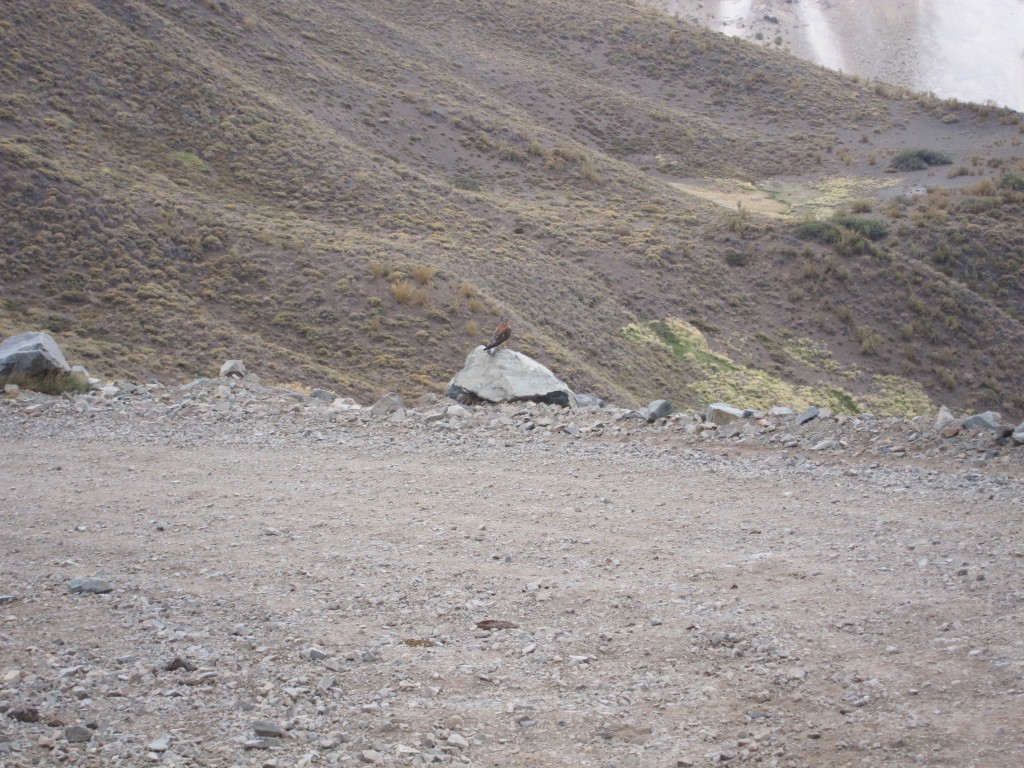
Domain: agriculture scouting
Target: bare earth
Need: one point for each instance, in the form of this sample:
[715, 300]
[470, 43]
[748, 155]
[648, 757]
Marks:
[669, 599]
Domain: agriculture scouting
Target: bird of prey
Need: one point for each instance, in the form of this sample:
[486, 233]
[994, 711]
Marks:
[500, 335]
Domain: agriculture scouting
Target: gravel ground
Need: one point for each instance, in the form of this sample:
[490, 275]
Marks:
[230, 575]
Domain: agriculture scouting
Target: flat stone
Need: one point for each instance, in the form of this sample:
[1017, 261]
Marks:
[90, 585]
[808, 415]
[722, 414]
[267, 730]
[986, 420]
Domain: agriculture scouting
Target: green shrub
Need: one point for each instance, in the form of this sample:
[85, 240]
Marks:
[737, 258]
[466, 183]
[821, 231]
[1011, 180]
[918, 159]
[872, 229]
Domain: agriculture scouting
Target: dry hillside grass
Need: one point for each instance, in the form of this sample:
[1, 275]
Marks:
[347, 194]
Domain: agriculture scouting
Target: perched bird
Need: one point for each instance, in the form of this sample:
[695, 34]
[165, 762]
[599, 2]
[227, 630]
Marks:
[500, 335]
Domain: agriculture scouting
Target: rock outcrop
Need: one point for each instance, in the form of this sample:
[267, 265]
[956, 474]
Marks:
[508, 376]
[34, 355]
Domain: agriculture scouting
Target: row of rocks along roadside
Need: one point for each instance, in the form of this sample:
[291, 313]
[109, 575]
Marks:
[978, 439]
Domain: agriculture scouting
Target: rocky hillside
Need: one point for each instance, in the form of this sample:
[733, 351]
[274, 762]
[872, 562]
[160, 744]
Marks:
[347, 195]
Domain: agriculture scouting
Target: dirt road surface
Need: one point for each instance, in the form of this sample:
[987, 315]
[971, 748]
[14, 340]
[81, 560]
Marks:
[288, 589]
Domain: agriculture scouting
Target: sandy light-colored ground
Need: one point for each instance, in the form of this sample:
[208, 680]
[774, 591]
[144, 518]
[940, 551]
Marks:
[660, 600]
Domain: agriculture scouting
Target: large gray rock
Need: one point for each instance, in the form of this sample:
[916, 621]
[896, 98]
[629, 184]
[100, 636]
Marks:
[658, 409]
[32, 354]
[508, 376]
[1018, 434]
[723, 413]
[988, 420]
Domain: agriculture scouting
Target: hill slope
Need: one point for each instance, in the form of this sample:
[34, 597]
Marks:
[347, 195]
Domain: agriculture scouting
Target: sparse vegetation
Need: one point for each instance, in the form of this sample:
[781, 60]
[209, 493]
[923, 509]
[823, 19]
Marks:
[918, 159]
[423, 273]
[352, 235]
[49, 384]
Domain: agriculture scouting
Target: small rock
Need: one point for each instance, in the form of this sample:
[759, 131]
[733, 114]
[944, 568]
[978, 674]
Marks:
[371, 756]
[389, 405]
[458, 740]
[233, 368]
[90, 585]
[1018, 434]
[161, 743]
[315, 654]
[456, 411]
[77, 734]
[24, 714]
[809, 415]
[343, 404]
[944, 418]
[267, 730]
